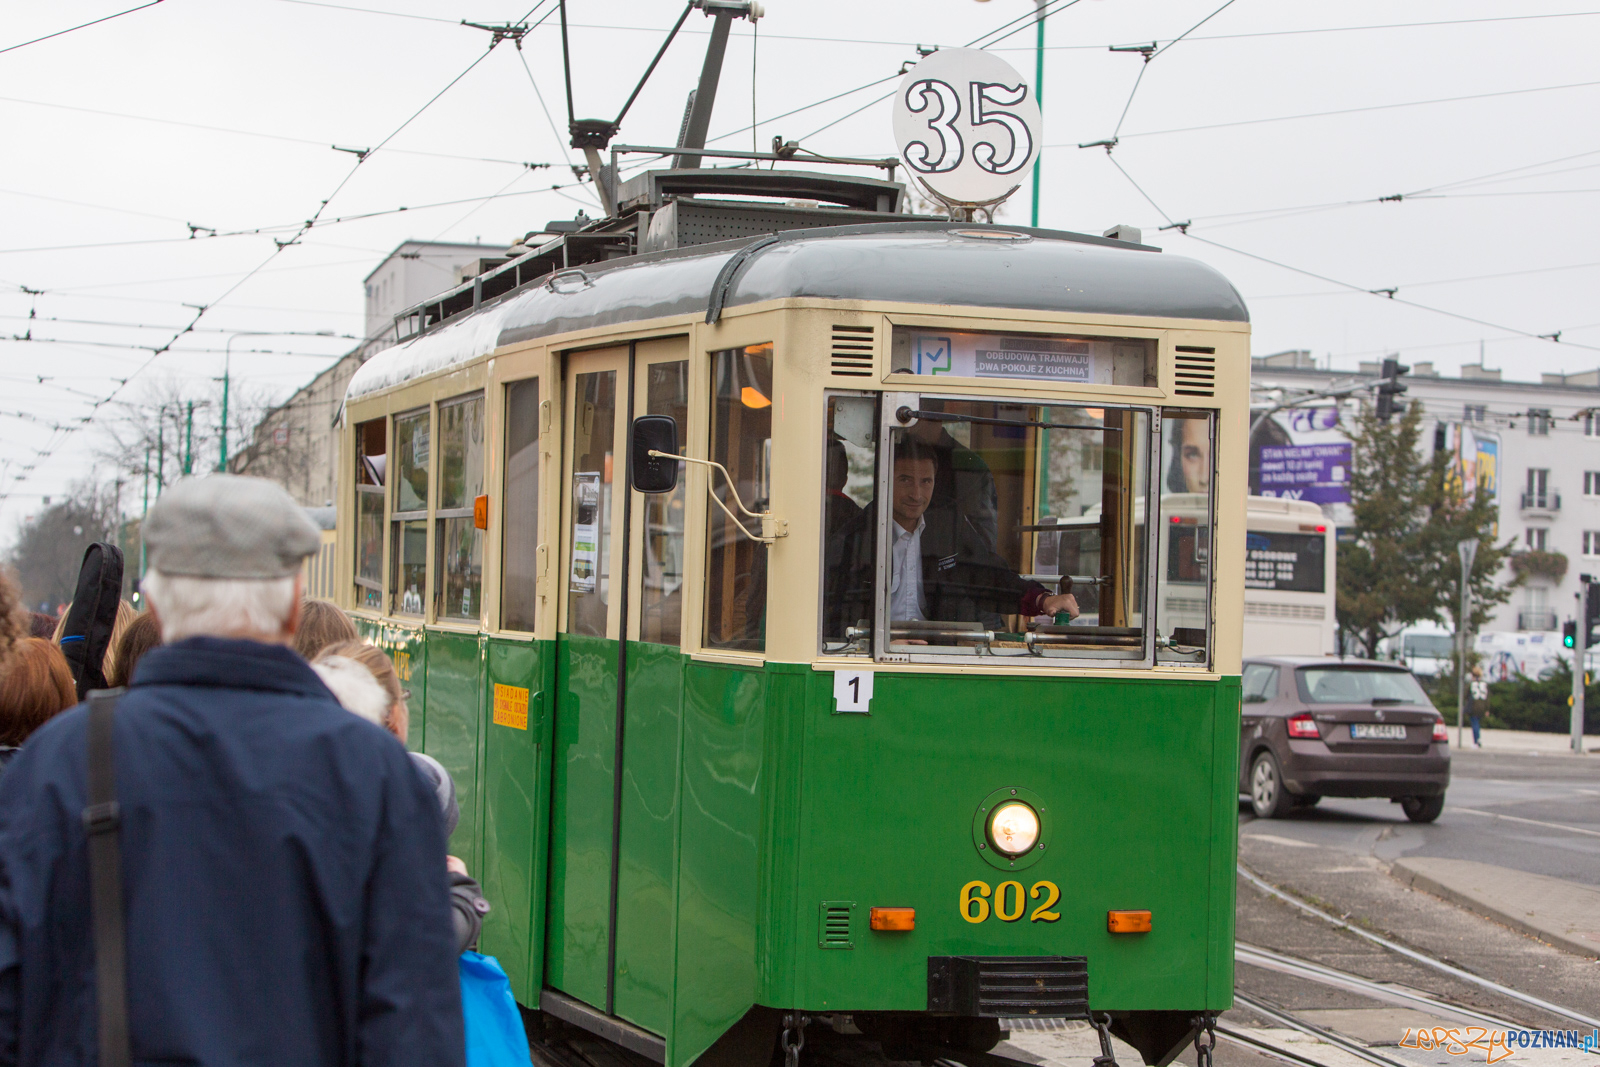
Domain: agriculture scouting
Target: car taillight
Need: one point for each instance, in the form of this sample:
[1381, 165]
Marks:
[1302, 725]
[1439, 731]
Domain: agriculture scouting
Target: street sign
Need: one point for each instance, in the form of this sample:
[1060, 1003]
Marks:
[967, 124]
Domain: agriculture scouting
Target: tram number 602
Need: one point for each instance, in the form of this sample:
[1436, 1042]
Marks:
[1009, 901]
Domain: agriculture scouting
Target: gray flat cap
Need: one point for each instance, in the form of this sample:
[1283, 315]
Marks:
[228, 526]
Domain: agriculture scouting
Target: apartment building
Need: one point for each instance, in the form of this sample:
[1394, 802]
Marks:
[1538, 441]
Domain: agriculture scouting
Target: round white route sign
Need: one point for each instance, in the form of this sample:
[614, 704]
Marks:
[967, 124]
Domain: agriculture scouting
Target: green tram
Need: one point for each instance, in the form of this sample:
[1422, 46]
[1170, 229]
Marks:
[723, 773]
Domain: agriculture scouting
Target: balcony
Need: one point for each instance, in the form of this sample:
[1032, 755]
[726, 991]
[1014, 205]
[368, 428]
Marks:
[1542, 621]
[1548, 503]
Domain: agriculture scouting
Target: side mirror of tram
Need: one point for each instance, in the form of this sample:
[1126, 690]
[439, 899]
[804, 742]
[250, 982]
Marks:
[655, 433]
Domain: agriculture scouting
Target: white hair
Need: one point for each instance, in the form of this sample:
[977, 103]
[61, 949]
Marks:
[218, 607]
[354, 687]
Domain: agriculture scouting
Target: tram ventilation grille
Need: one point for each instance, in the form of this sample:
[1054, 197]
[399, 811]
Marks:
[1318, 612]
[1009, 986]
[1195, 371]
[852, 352]
[834, 929]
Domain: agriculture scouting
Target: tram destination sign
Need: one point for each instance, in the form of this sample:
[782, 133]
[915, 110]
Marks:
[967, 125]
[1040, 357]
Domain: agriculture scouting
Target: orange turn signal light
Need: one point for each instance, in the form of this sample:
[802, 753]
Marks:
[894, 918]
[1128, 922]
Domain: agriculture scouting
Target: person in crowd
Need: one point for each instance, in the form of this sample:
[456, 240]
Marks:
[41, 625]
[137, 638]
[35, 686]
[280, 856]
[126, 613]
[1478, 704]
[942, 568]
[13, 618]
[363, 678]
[321, 624]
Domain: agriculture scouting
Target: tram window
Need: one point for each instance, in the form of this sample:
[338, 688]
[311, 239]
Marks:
[594, 425]
[409, 527]
[457, 541]
[1069, 358]
[850, 480]
[1015, 534]
[661, 606]
[372, 457]
[1183, 574]
[741, 440]
[519, 563]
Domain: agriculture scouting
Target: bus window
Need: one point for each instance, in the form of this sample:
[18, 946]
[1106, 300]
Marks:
[850, 478]
[519, 567]
[1183, 574]
[1014, 532]
[372, 457]
[409, 551]
[741, 440]
[661, 608]
[458, 542]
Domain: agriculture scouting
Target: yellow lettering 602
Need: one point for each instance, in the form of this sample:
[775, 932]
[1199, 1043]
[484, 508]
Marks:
[1009, 901]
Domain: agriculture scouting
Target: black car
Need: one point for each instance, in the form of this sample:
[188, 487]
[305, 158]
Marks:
[1319, 726]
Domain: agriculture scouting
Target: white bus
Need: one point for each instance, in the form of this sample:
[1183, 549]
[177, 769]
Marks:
[1288, 579]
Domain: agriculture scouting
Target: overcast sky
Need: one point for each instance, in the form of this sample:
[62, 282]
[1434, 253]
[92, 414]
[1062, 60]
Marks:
[118, 136]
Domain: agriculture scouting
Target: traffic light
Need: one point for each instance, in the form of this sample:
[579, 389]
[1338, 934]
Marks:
[1569, 634]
[1389, 387]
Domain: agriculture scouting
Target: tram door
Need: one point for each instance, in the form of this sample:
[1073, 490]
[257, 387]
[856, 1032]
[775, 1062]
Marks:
[613, 827]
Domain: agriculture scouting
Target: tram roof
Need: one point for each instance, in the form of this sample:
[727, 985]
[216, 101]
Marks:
[919, 262]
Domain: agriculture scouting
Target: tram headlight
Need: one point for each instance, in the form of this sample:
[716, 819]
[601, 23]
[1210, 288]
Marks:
[1014, 828]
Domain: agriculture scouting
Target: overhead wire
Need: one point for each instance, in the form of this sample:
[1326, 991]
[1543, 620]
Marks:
[1151, 56]
[80, 26]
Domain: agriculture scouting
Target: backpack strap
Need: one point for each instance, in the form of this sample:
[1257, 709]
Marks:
[103, 821]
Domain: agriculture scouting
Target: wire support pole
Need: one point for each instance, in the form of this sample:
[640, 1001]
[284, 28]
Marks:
[1038, 98]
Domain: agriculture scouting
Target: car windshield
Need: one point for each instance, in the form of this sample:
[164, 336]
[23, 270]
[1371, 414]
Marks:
[1358, 685]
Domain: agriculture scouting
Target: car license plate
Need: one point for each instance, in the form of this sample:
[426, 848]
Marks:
[1376, 731]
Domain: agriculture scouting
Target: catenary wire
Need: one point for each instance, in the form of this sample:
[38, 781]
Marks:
[1150, 57]
[80, 26]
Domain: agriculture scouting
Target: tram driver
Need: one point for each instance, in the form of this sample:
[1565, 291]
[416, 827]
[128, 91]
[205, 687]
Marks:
[942, 566]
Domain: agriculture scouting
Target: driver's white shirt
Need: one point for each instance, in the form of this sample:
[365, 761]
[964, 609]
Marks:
[905, 582]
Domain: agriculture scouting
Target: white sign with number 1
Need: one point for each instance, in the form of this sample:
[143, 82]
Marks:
[852, 692]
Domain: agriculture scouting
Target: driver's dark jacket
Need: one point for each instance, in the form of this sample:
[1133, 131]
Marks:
[963, 579]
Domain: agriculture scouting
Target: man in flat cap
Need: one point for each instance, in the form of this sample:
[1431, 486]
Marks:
[282, 863]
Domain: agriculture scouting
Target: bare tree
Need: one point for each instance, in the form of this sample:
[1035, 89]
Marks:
[50, 544]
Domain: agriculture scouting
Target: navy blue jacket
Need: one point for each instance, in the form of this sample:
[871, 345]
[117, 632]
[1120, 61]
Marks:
[283, 868]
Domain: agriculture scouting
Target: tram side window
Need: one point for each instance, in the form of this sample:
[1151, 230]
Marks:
[850, 480]
[661, 607]
[1183, 575]
[741, 440]
[372, 457]
[408, 580]
[594, 423]
[519, 564]
[458, 542]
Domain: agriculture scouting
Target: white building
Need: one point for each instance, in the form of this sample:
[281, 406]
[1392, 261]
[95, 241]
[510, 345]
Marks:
[412, 273]
[1543, 443]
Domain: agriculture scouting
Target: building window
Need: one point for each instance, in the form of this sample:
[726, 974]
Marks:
[1591, 483]
[1591, 542]
[1473, 413]
[1536, 538]
[1591, 424]
[1539, 422]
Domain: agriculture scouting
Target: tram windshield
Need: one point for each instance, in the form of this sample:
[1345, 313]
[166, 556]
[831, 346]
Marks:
[1006, 529]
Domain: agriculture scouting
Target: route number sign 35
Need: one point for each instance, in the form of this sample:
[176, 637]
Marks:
[967, 124]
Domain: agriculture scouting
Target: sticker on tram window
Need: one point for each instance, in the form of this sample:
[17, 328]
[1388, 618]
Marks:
[585, 530]
[1059, 358]
[511, 706]
[1008, 902]
[852, 692]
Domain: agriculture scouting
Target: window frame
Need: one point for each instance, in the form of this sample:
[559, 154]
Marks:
[1146, 659]
[500, 513]
[439, 515]
[857, 650]
[396, 519]
[381, 491]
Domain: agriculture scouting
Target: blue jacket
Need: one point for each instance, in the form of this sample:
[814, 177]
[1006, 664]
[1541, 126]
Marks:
[283, 868]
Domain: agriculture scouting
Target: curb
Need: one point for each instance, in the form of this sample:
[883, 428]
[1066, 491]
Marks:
[1408, 876]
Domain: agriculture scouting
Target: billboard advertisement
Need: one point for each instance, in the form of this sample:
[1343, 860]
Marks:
[1474, 461]
[1303, 454]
